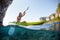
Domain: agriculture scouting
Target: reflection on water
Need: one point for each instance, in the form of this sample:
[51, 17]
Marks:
[49, 26]
[55, 26]
[38, 27]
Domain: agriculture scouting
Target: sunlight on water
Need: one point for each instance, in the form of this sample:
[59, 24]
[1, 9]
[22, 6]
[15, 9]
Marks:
[11, 31]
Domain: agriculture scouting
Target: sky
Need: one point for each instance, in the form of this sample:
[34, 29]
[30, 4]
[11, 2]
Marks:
[37, 9]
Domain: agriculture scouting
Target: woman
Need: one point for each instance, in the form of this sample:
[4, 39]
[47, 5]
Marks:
[21, 15]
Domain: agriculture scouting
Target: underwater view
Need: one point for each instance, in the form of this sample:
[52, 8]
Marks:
[14, 32]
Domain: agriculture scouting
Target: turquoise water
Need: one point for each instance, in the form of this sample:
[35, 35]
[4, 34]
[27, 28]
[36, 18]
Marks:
[14, 32]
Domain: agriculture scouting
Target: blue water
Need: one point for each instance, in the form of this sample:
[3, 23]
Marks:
[34, 32]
